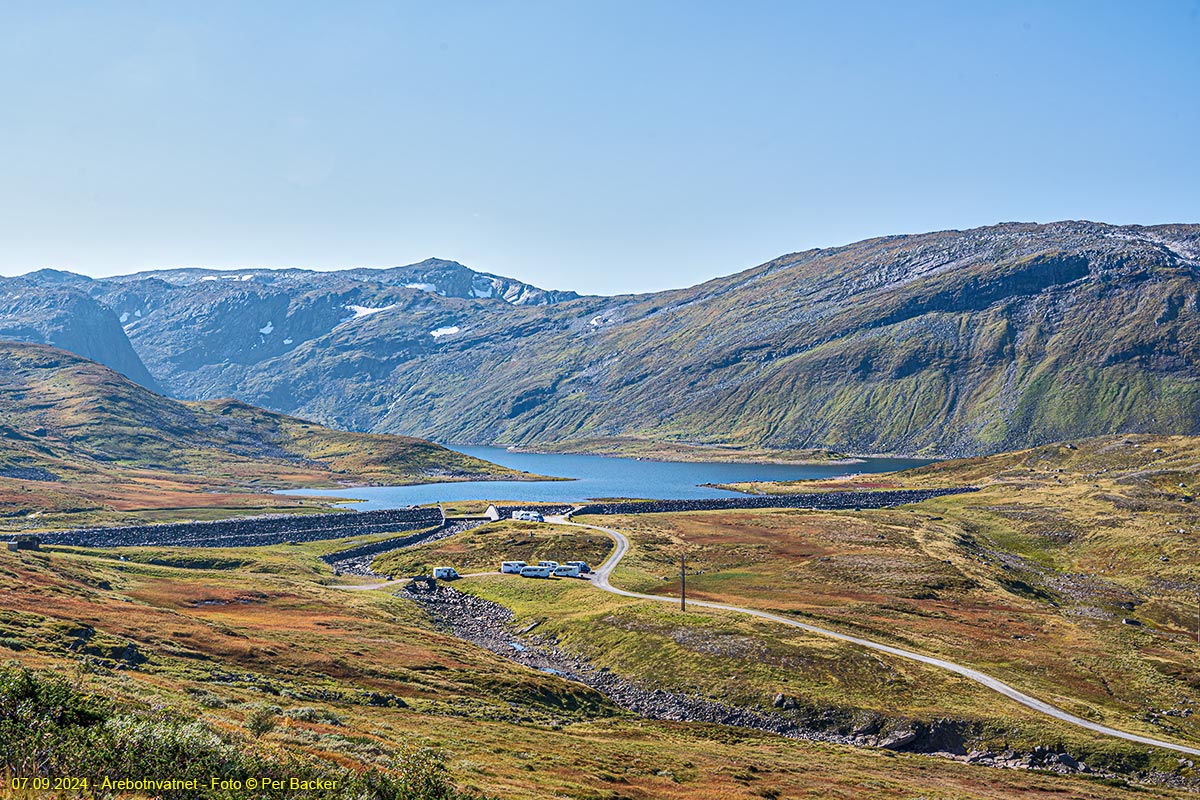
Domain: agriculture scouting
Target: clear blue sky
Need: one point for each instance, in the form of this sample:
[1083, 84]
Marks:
[603, 146]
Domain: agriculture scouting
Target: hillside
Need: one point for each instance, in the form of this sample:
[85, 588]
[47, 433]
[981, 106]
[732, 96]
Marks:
[943, 344]
[947, 343]
[240, 663]
[78, 438]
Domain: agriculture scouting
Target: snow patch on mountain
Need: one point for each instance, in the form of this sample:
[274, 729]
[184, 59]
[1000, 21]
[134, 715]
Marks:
[448, 330]
[482, 286]
[266, 330]
[366, 311]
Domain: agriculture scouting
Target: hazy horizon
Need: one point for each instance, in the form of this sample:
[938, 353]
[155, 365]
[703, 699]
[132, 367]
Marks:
[732, 271]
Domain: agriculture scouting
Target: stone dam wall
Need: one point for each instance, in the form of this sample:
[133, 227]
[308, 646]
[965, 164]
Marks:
[250, 531]
[817, 500]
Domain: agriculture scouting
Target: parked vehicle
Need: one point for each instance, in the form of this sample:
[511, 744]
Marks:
[566, 571]
[527, 516]
[550, 564]
[446, 573]
[535, 572]
[583, 566]
[512, 567]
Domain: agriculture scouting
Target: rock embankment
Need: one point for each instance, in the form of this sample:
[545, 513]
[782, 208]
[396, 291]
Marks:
[250, 531]
[357, 560]
[485, 623]
[488, 624]
[822, 500]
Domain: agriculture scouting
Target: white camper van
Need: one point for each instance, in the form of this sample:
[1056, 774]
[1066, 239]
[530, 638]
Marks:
[446, 573]
[566, 571]
[584, 569]
[512, 567]
[527, 516]
[550, 564]
[535, 572]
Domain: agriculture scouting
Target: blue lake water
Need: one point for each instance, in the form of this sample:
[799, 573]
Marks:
[599, 476]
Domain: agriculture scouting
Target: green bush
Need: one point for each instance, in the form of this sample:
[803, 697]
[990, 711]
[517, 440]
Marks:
[262, 720]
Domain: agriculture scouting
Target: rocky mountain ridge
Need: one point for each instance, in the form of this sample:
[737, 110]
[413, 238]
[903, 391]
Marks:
[945, 343]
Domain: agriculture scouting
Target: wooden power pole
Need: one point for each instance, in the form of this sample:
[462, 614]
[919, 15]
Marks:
[682, 582]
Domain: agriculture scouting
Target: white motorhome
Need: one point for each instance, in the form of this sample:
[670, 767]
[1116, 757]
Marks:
[527, 516]
[566, 571]
[535, 572]
[512, 567]
[446, 573]
[550, 564]
[583, 566]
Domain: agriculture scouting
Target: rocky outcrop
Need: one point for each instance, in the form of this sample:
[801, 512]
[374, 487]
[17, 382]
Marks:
[45, 309]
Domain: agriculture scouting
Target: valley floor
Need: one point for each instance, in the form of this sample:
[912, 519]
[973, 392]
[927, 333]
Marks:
[1035, 579]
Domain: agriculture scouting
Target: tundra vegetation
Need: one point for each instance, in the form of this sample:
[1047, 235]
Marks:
[1071, 575]
[256, 651]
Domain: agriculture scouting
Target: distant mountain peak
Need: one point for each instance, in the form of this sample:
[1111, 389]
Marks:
[58, 277]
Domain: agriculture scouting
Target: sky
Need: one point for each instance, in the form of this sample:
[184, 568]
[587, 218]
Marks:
[604, 146]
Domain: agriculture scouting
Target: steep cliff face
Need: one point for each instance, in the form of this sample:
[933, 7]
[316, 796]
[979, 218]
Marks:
[953, 342]
[54, 308]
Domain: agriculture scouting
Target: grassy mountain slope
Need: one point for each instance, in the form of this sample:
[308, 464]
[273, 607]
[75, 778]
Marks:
[77, 437]
[943, 343]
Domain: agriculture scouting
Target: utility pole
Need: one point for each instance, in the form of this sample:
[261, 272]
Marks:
[683, 585]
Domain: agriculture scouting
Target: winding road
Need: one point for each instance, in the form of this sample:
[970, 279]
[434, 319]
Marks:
[600, 578]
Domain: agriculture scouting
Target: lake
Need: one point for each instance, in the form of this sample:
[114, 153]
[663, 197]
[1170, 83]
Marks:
[599, 476]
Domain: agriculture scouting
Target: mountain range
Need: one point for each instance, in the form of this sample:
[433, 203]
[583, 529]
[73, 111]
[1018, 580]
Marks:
[945, 343]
